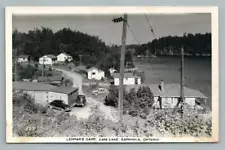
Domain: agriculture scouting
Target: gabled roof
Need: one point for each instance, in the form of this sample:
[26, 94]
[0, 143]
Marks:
[65, 90]
[32, 86]
[65, 54]
[23, 56]
[94, 68]
[170, 90]
[49, 79]
[126, 75]
[37, 86]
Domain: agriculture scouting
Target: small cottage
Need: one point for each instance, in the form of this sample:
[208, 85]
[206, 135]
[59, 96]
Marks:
[129, 79]
[48, 59]
[44, 93]
[167, 95]
[23, 58]
[63, 57]
[38, 91]
[95, 73]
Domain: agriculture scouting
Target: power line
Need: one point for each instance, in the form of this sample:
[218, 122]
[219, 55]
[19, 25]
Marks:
[132, 33]
[151, 29]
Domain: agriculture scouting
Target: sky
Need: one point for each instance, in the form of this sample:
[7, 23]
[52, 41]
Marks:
[111, 33]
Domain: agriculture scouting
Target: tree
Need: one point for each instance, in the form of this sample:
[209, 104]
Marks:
[145, 97]
[170, 45]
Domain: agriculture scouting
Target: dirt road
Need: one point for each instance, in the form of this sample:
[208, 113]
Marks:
[85, 112]
[75, 77]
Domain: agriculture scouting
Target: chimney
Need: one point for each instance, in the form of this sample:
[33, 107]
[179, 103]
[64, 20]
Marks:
[162, 86]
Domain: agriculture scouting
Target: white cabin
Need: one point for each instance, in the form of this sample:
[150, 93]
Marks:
[47, 60]
[95, 73]
[167, 95]
[129, 79]
[63, 57]
[23, 58]
[44, 93]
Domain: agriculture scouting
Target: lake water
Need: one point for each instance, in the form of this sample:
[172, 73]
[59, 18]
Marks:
[197, 72]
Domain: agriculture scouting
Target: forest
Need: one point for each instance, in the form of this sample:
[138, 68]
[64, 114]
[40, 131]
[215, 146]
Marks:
[94, 51]
[39, 42]
[193, 44]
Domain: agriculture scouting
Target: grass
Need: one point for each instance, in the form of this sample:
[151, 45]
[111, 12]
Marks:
[31, 120]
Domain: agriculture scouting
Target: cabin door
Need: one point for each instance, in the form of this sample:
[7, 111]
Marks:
[136, 80]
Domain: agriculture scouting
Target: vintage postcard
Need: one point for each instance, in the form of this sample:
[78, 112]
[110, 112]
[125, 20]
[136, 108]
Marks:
[112, 74]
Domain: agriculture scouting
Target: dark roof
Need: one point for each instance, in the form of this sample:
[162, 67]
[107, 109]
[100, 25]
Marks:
[23, 56]
[32, 86]
[126, 75]
[94, 68]
[170, 90]
[51, 56]
[49, 79]
[65, 90]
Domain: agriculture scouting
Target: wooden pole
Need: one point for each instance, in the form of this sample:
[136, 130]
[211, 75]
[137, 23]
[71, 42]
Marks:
[122, 58]
[43, 60]
[182, 81]
[181, 98]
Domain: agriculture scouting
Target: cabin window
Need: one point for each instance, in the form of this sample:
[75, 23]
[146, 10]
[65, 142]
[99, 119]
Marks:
[93, 73]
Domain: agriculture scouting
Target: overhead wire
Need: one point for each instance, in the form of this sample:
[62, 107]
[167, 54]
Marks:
[132, 33]
[151, 29]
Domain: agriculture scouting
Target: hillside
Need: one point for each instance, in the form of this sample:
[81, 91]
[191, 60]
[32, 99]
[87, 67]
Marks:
[194, 44]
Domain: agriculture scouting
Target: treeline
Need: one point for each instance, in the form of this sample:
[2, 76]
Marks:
[194, 45]
[90, 49]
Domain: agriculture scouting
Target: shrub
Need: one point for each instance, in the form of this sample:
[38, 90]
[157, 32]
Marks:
[156, 123]
[67, 82]
[112, 98]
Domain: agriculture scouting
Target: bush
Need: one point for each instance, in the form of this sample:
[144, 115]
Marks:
[67, 82]
[25, 101]
[135, 103]
[156, 123]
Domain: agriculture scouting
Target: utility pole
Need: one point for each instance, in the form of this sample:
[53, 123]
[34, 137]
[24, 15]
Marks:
[43, 60]
[122, 59]
[181, 98]
[80, 57]
[182, 80]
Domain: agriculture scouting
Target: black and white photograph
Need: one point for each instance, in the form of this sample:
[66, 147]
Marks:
[112, 75]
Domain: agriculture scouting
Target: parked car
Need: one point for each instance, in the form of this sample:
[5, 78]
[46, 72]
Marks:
[80, 101]
[100, 91]
[59, 105]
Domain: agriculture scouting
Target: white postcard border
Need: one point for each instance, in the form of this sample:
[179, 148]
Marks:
[64, 10]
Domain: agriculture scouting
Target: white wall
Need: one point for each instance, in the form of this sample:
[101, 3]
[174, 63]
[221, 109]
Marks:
[22, 59]
[61, 57]
[45, 97]
[98, 75]
[58, 96]
[139, 80]
[190, 101]
[171, 102]
[40, 97]
[47, 60]
[126, 81]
